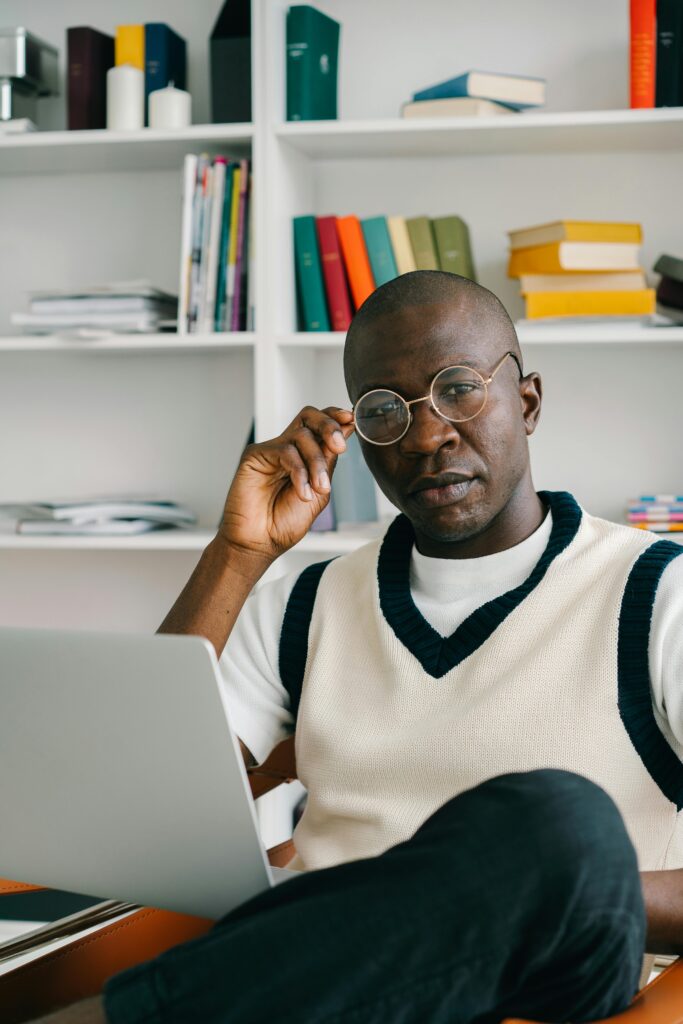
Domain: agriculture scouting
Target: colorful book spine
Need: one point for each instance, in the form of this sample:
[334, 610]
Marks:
[240, 257]
[90, 54]
[655, 517]
[661, 499]
[590, 303]
[659, 527]
[165, 59]
[453, 246]
[312, 58]
[197, 229]
[334, 275]
[223, 251]
[380, 252]
[218, 190]
[207, 205]
[422, 241]
[189, 181]
[129, 46]
[642, 53]
[400, 243]
[309, 277]
[232, 247]
[356, 259]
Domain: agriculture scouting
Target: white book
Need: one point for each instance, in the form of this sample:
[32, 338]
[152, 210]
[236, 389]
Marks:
[189, 180]
[103, 528]
[122, 304]
[465, 106]
[138, 287]
[38, 323]
[621, 282]
[207, 200]
[88, 511]
[208, 323]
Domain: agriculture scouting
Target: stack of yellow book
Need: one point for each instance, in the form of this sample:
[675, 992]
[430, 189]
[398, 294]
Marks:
[574, 268]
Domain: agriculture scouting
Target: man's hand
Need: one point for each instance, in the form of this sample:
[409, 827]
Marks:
[282, 485]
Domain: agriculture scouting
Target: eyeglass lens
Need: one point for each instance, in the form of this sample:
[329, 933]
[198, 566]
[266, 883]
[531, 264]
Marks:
[458, 393]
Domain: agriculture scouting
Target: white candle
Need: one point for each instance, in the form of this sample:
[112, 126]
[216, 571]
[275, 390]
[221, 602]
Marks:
[125, 98]
[170, 108]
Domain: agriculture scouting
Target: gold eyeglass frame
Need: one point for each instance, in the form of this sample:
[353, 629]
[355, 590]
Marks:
[430, 397]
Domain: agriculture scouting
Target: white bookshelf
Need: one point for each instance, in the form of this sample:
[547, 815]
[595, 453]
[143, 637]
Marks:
[171, 414]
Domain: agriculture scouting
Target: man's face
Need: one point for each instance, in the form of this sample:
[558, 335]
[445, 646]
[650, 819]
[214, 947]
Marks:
[476, 465]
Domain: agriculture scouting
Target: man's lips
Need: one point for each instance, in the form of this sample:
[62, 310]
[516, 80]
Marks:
[442, 489]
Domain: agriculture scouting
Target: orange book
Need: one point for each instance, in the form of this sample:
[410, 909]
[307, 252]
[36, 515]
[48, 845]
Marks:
[642, 56]
[356, 259]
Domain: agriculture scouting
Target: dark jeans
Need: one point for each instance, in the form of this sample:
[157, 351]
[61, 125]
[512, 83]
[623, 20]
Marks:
[520, 897]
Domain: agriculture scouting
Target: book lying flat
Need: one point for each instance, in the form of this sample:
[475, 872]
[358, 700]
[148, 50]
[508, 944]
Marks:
[458, 106]
[541, 304]
[101, 528]
[515, 90]
[91, 510]
[625, 281]
[576, 231]
[558, 257]
[145, 322]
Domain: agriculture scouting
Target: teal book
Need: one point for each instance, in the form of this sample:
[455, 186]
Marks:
[353, 487]
[453, 246]
[378, 244]
[309, 276]
[224, 243]
[312, 62]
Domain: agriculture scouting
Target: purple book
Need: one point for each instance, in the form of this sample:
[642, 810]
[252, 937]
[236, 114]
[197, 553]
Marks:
[241, 255]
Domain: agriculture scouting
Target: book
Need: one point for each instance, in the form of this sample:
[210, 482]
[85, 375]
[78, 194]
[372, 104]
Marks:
[309, 277]
[224, 248]
[237, 304]
[334, 274]
[669, 54]
[165, 59]
[90, 510]
[654, 516]
[643, 37]
[658, 499]
[518, 91]
[129, 45]
[89, 55]
[626, 281]
[380, 252]
[670, 266]
[146, 322]
[356, 260]
[208, 179]
[400, 243]
[670, 292]
[453, 246]
[103, 528]
[198, 205]
[208, 306]
[570, 256]
[462, 106]
[422, 242]
[312, 58]
[659, 527]
[189, 179]
[230, 63]
[541, 304]
[575, 231]
[353, 487]
[231, 265]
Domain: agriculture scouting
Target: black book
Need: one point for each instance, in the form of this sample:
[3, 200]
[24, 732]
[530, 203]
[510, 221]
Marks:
[670, 266]
[670, 293]
[669, 82]
[230, 63]
[90, 54]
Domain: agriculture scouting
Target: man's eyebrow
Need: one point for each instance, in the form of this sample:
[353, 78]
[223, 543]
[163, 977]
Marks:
[383, 385]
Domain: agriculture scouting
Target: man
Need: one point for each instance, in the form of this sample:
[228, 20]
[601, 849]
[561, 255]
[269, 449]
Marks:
[455, 686]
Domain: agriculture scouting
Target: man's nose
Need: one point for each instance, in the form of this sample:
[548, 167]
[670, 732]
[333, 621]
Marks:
[428, 430]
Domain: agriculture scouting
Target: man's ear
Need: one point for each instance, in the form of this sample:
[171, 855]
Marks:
[531, 395]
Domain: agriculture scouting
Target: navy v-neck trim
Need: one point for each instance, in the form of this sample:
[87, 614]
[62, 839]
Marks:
[438, 654]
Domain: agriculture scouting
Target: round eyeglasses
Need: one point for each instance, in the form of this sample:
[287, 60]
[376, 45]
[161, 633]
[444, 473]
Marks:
[457, 394]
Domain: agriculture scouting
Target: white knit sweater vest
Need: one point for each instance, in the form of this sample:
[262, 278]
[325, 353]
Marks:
[394, 720]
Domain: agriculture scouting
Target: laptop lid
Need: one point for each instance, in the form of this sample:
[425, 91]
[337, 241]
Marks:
[120, 774]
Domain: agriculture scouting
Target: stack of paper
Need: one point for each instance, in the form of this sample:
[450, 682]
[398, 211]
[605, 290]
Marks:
[122, 307]
[104, 516]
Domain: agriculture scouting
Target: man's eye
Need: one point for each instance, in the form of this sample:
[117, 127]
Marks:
[462, 388]
[380, 410]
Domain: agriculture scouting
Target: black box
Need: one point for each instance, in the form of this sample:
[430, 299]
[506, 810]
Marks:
[230, 59]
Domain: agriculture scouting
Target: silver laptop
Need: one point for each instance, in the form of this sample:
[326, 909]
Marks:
[120, 775]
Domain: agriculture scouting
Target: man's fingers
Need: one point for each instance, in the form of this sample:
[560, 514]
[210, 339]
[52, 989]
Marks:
[293, 464]
[330, 425]
[318, 465]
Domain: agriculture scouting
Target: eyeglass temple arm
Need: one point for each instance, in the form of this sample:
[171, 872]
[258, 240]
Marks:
[500, 362]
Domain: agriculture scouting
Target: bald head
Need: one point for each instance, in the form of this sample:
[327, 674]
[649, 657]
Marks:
[469, 311]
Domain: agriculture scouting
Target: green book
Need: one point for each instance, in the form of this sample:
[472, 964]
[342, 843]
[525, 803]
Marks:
[422, 240]
[309, 276]
[380, 252]
[312, 61]
[453, 246]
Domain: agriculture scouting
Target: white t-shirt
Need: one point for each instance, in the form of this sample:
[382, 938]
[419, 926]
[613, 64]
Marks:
[446, 591]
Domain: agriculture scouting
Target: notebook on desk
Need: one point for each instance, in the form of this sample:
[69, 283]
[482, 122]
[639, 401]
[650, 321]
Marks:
[127, 779]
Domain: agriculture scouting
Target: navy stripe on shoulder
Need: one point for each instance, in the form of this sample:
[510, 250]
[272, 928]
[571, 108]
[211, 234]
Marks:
[295, 628]
[635, 699]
